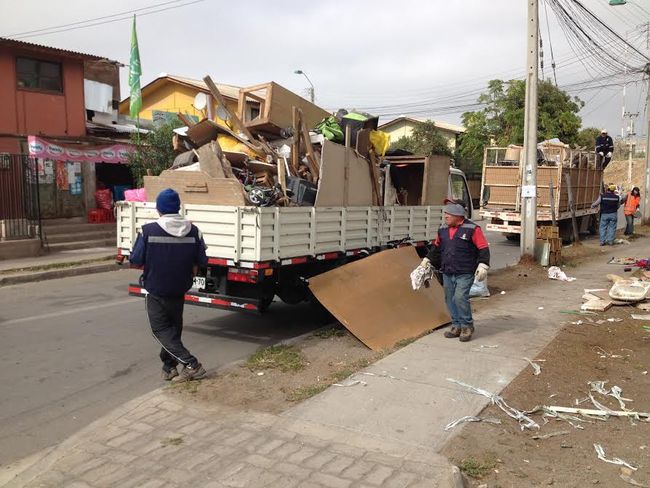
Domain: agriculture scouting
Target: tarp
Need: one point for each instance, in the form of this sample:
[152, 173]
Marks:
[42, 148]
[374, 300]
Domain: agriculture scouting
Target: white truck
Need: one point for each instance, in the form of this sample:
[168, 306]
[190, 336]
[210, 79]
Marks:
[257, 253]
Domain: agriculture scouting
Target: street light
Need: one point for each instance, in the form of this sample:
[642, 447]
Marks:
[312, 95]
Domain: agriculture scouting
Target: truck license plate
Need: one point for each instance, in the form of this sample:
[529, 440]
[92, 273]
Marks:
[199, 283]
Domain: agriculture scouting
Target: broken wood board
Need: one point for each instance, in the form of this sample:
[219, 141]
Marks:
[331, 186]
[596, 305]
[374, 300]
[209, 161]
[197, 187]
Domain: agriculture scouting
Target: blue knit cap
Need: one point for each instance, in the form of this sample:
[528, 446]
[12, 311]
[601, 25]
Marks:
[168, 202]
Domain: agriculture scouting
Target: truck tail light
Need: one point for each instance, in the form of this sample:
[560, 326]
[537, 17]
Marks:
[243, 275]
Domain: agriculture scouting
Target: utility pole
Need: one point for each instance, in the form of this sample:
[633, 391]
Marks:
[631, 143]
[646, 197]
[529, 170]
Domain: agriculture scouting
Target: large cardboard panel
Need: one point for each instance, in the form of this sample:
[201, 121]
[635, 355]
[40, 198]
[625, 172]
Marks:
[374, 300]
[436, 180]
[197, 187]
[332, 178]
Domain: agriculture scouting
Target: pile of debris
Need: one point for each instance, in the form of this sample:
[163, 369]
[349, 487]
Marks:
[634, 291]
[293, 153]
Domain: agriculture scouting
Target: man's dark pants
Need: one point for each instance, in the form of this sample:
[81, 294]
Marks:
[166, 320]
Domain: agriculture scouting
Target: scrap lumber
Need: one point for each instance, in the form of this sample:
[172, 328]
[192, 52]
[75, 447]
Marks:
[376, 193]
[311, 156]
[209, 162]
[219, 98]
[295, 148]
[186, 120]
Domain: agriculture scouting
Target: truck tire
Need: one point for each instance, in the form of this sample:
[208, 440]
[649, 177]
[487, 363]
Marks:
[566, 231]
[513, 237]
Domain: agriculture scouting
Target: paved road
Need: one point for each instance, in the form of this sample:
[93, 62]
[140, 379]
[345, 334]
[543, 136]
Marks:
[75, 348]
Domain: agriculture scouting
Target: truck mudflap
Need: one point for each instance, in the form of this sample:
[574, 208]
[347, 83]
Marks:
[209, 300]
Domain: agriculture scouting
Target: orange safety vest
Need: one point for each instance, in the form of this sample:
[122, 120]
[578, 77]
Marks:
[631, 204]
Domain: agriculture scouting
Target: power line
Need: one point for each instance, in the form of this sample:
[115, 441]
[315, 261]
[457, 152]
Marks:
[56, 30]
[548, 27]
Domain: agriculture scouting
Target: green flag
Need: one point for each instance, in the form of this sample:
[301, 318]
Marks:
[135, 71]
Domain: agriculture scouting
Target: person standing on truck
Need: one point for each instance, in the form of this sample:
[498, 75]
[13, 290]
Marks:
[609, 203]
[462, 254]
[604, 149]
[632, 202]
[170, 250]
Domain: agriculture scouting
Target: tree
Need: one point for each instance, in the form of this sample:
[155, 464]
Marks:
[425, 140]
[153, 151]
[587, 137]
[502, 119]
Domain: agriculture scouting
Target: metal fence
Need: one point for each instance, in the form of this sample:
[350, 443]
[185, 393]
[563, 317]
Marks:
[19, 197]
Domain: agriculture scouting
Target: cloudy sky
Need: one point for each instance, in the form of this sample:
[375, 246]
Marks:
[413, 57]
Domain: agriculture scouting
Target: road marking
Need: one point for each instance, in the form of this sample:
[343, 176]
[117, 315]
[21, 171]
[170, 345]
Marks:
[69, 311]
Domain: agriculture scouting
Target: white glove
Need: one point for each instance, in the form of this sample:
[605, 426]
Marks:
[609, 154]
[602, 154]
[425, 262]
[481, 272]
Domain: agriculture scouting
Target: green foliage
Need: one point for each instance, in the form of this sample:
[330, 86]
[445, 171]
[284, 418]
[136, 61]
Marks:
[425, 140]
[502, 119]
[587, 137]
[154, 151]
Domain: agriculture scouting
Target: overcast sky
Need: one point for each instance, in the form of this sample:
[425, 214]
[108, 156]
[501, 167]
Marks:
[390, 57]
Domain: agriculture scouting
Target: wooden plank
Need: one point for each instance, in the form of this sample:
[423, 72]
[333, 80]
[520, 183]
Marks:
[346, 167]
[574, 223]
[209, 162]
[311, 156]
[552, 203]
[198, 187]
[295, 148]
[220, 100]
[331, 185]
[227, 168]
[186, 120]
[374, 176]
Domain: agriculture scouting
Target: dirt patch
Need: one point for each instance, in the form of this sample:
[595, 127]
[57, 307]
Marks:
[505, 456]
[277, 377]
[617, 171]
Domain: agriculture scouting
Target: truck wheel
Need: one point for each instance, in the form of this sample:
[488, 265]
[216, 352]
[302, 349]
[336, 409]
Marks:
[513, 237]
[264, 305]
[566, 231]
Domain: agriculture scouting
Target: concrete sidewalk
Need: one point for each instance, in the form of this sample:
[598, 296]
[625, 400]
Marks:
[57, 265]
[385, 434]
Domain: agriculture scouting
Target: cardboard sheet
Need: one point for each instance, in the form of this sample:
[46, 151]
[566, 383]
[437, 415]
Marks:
[332, 180]
[374, 300]
[197, 187]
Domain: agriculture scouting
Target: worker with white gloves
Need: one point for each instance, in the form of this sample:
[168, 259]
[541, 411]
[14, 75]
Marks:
[461, 253]
[604, 149]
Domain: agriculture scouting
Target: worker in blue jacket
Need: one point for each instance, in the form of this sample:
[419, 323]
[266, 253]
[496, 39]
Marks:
[609, 203]
[170, 250]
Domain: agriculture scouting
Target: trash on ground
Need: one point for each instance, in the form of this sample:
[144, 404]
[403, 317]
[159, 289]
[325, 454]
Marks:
[485, 346]
[636, 316]
[350, 382]
[604, 354]
[537, 369]
[614, 392]
[601, 455]
[626, 475]
[551, 434]
[621, 241]
[525, 422]
[470, 418]
[503, 293]
[614, 319]
[623, 261]
[645, 306]
[556, 273]
[599, 413]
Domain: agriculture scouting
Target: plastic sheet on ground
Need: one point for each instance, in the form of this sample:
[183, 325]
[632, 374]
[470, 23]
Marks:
[470, 418]
[556, 273]
[525, 422]
[601, 455]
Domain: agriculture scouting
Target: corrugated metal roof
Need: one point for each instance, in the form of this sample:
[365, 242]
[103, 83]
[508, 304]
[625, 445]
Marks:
[458, 129]
[53, 50]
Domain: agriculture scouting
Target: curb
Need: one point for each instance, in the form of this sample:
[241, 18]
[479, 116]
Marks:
[30, 277]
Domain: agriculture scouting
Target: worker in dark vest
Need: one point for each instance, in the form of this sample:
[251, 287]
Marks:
[462, 254]
[604, 149]
[609, 203]
[632, 202]
[170, 250]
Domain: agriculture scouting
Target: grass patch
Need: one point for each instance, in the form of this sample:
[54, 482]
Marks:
[282, 357]
[477, 468]
[329, 332]
[305, 392]
[191, 387]
[172, 441]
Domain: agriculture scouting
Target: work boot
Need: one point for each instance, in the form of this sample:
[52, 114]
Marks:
[188, 374]
[169, 375]
[453, 333]
[466, 334]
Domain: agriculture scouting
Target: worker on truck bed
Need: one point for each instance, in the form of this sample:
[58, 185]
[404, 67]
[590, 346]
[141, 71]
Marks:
[604, 149]
[170, 249]
[609, 203]
[632, 202]
[462, 254]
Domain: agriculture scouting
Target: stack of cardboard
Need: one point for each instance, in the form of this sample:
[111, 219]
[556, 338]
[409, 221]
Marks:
[549, 245]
